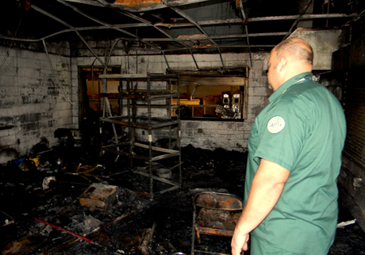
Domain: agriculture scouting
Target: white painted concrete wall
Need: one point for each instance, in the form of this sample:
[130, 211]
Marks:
[35, 100]
[212, 134]
[31, 99]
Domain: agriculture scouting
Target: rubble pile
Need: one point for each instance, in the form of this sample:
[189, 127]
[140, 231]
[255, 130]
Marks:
[61, 203]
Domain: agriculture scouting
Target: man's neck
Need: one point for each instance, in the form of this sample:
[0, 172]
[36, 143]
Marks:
[292, 73]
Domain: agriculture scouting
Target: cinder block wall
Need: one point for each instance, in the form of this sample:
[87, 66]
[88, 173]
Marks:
[230, 135]
[34, 100]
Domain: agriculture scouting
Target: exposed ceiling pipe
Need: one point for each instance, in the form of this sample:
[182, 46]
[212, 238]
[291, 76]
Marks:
[201, 23]
[192, 94]
[105, 24]
[161, 31]
[196, 64]
[148, 23]
[71, 27]
[112, 49]
[297, 20]
[246, 29]
[160, 51]
[258, 19]
[167, 62]
[92, 79]
[187, 38]
[226, 46]
[355, 18]
[150, 39]
[184, 15]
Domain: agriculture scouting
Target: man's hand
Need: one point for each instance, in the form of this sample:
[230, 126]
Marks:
[239, 242]
[266, 189]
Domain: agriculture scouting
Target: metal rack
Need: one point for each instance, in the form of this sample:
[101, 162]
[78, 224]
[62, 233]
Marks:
[143, 98]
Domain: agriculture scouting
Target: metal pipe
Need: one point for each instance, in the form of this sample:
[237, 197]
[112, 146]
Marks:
[167, 63]
[258, 19]
[355, 18]
[155, 39]
[93, 19]
[79, 236]
[298, 19]
[92, 78]
[69, 26]
[228, 46]
[192, 55]
[90, 49]
[218, 37]
[112, 49]
[103, 23]
[221, 58]
[146, 22]
[192, 94]
[201, 23]
[198, 26]
[102, 3]
[246, 29]
[65, 230]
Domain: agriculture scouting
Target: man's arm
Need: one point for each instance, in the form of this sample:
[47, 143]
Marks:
[266, 189]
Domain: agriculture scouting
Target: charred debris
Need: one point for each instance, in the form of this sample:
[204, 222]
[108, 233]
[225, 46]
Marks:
[71, 199]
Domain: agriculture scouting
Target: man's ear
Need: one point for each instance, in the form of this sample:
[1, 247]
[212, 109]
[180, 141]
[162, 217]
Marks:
[282, 64]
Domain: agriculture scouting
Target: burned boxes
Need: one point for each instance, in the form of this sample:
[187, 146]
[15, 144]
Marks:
[99, 196]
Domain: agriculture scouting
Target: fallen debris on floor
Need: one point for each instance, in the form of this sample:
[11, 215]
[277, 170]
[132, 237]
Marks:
[121, 219]
[99, 196]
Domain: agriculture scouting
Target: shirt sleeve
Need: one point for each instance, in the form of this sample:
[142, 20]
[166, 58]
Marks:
[282, 133]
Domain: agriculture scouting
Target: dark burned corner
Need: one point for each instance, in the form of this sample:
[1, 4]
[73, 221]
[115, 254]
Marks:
[66, 200]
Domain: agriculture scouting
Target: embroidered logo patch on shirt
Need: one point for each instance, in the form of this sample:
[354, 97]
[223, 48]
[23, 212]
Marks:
[276, 124]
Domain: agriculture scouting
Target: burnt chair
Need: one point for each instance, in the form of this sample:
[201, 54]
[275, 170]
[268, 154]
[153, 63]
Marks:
[214, 214]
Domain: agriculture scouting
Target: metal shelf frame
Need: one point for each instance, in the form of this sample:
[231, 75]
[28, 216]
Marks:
[144, 97]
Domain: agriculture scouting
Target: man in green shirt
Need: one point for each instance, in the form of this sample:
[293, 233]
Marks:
[294, 158]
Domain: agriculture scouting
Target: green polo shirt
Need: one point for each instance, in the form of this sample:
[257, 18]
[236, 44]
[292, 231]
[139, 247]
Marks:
[303, 130]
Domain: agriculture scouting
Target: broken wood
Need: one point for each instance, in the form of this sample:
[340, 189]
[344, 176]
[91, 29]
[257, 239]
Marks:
[147, 238]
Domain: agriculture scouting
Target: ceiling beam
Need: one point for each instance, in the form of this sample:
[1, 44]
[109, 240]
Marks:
[104, 23]
[146, 22]
[138, 9]
[258, 19]
[70, 27]
[203, 37]
[226, 46]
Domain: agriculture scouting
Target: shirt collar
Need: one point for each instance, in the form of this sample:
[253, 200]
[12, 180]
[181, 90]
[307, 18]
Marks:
[286, 85]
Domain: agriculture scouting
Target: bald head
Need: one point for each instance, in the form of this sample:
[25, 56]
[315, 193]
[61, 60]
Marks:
[288, 59]
[295, 48]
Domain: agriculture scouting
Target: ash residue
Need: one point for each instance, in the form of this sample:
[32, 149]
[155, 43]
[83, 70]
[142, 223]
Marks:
[135, 224]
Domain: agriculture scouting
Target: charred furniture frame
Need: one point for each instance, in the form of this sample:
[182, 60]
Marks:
[131, 98]
[214, 214]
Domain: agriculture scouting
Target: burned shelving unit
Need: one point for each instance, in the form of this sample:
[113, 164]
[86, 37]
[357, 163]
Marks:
[131, 98]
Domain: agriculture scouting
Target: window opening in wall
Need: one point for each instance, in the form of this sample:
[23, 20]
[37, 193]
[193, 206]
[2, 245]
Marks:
[213, 95]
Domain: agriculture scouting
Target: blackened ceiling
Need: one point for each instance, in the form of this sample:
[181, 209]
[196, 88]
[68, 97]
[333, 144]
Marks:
[173, 26]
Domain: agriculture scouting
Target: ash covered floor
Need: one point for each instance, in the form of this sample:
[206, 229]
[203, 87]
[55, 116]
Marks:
[133, 224]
